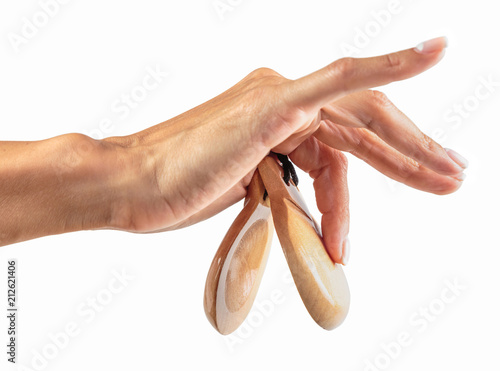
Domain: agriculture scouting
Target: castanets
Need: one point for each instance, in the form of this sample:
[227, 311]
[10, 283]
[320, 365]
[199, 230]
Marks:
[237, 268]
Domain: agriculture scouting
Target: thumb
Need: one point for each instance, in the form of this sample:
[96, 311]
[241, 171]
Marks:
[348, 75]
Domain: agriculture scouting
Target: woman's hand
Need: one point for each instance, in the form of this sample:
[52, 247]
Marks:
[193, 166]
[200, 162]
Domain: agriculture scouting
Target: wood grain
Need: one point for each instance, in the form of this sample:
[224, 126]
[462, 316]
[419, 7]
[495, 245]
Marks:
[321, 283]
[237, 268]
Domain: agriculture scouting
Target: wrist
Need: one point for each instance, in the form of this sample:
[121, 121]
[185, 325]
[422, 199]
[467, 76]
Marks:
[89, 171]
[127, 173]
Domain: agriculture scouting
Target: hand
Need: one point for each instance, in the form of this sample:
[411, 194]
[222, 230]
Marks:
[193, 166]
[200, 162]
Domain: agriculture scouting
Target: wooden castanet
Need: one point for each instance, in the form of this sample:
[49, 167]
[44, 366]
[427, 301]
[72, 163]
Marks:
[237, 268]
[321, 283]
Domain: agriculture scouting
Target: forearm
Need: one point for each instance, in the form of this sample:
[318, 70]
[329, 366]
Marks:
[151, 180]
[58, 185]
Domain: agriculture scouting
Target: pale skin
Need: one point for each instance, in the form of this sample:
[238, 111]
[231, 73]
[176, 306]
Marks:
[197, 164]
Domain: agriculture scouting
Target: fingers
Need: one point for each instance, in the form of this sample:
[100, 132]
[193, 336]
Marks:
[374, 111]
[348, 75]
[328, 168]
[374, 151]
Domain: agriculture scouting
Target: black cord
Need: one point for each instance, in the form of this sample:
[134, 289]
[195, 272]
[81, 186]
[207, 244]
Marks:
[288, 169]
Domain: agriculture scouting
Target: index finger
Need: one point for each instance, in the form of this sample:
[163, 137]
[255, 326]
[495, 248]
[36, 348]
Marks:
[348, 75]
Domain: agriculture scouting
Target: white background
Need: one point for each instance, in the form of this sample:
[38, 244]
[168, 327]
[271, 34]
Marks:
[406, 244]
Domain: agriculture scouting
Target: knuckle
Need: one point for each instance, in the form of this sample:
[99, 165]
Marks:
[262, 81]
[341, 160]
[427, 143]
[263, 72]
[407, 169]
[344, 66]
[361, 147]
[378, 105]
[379, 99]
[393, 60]
[425, 146]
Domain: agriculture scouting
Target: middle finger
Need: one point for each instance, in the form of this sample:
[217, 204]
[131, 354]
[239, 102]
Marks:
[372, 110]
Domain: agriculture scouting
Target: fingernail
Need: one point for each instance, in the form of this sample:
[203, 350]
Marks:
[460, 176]
[457, 157]
[346, 251]
[432, 45]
